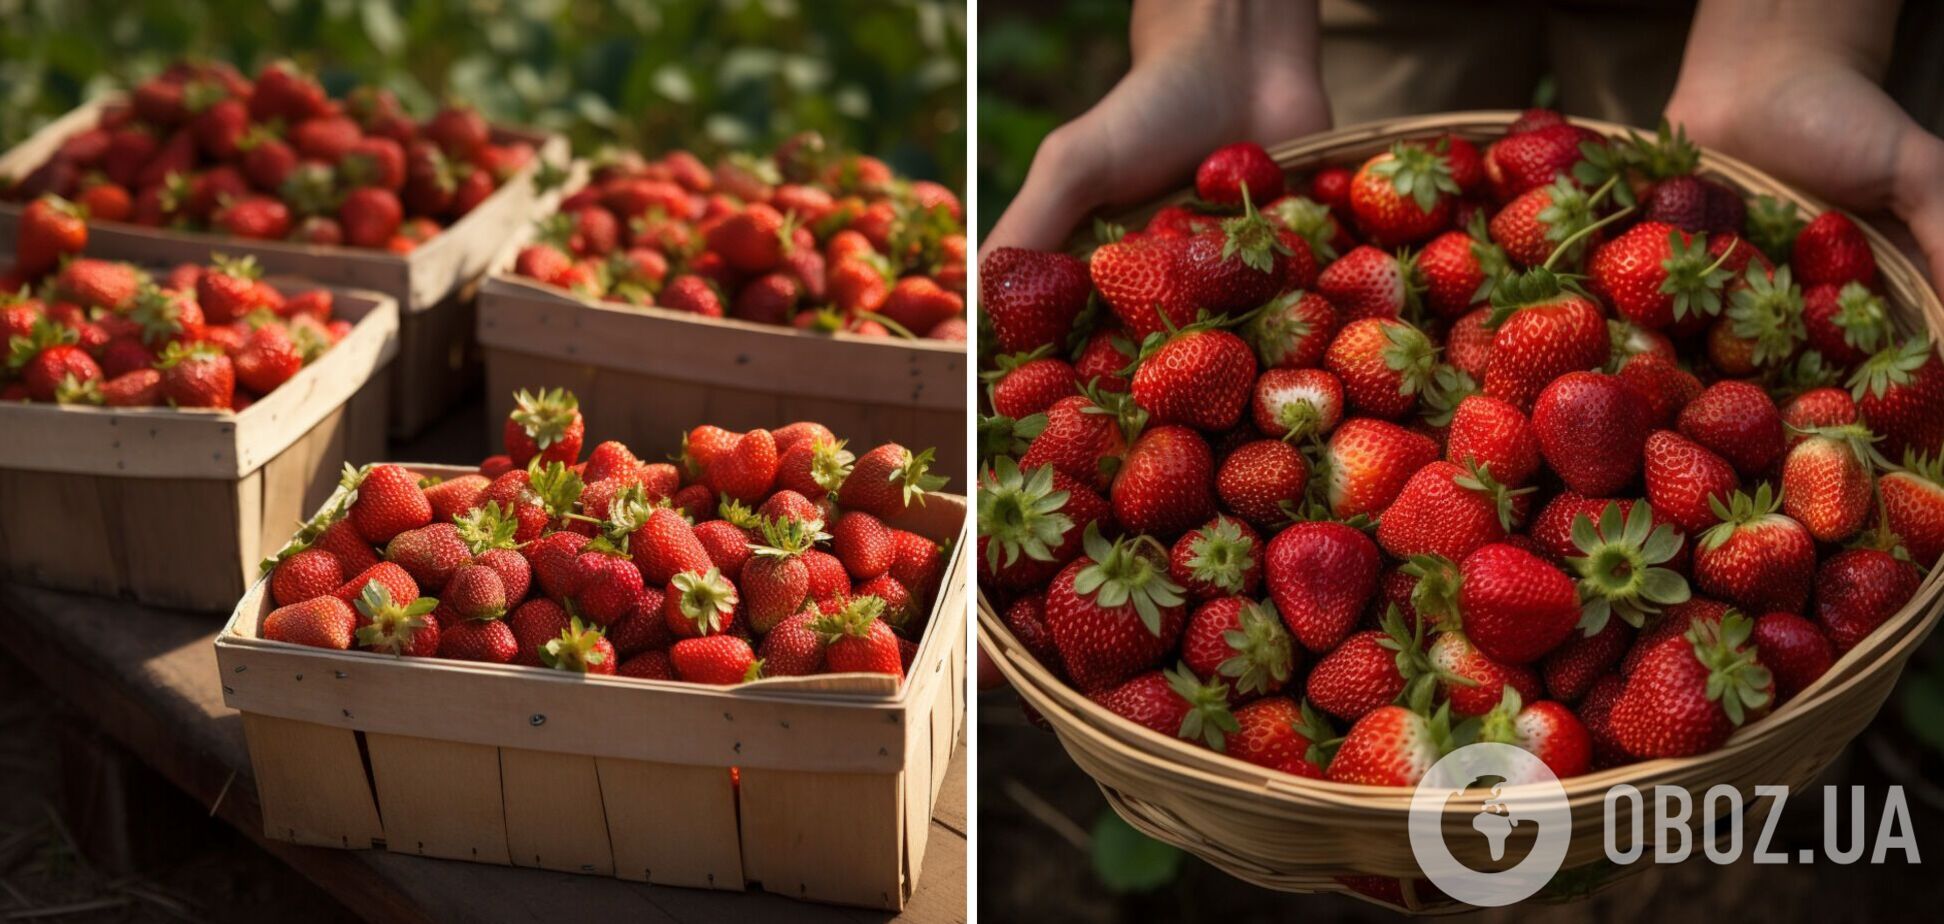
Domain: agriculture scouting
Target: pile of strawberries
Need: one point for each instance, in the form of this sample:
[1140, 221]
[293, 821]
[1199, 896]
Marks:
[806, 237]
[761, 554]
[1557, 444]
[86, 331]
[201, 147]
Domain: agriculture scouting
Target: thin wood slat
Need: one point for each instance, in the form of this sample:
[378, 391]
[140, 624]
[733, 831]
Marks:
[1294, 834]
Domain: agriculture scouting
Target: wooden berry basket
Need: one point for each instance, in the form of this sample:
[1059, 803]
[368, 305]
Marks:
[178, 508]
[645, 373]
[612, 776]
[435, 285]
[1300, 835]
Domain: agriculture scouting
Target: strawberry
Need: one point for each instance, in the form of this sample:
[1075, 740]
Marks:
[93, 283]
[1762, 326]
[1166, 484]
[256, 217]
[793, 648]
[1899, 392]
[1591, 428]
[579, 649]
[515, 574]
[1228, 170]
[1659, 278]
[747, 471]
[1595, 712]
[1173, 703]
[321, 622]
[609, 585]
[489, 641]
[1276, 733]
[1473, 683]
[1320, 575]
[1546, 729]
[1384, 365]
[1522, 161]
[1240, 643]
[1031, 522]
[1293, 331]
[1113, 612]
[775, 581]
[720, 660]
[1690, 692]
[547, 425]
[1221, 558]
[1023, 384]
[430, 553]
[1826, 482]
[1403, 195]
[1544, 332]
[1667, 387]
[1233, 267]
[1913, 507]
[1460, 269]
[1541, 220]
[50, 228]
[197, 376]
[397, 627]
[1832, 250]
[1392, 746]
[1263, 481]
[812, 468]
[753, 240]
[396, 581]
[1794, 650]
[1370, 669]
[1755, 557]
[1492, 433]
[1108, 351]
[1447, 509]
[305, 575]
[889, 479]
[48, 358]
[650, 665]
[1845, 324]
[1369, 282]
[1858, 590]
[1623, 561]
[1368, 461]
[1816, 407]
[1685, 481]
[863, 543]
[1515, 605]
[370, 215]
[384, 500]
[340, 538]
[1199, 376]
[700, 603]
[534, 624]
[856, 640]
[1295, 404]
[1573, 669]
[267, 359]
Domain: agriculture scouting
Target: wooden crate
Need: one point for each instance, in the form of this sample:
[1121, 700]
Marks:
[612, 776]
[178, 508]
[644, 375]
[435, 285]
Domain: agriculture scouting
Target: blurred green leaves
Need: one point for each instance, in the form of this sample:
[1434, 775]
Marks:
[885, 77]
[1127, 860]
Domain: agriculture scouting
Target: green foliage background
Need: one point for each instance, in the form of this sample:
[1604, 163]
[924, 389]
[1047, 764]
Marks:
[885, 77]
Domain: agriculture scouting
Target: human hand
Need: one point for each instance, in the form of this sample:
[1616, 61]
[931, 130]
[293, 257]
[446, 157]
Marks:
[1795, 94]
[1205, 73]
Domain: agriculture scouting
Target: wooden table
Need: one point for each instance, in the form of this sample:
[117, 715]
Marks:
[148, 678]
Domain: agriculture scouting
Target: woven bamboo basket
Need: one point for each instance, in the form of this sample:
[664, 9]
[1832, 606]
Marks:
[1300, 835]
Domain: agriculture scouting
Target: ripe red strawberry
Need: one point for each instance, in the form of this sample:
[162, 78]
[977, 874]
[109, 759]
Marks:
[267, 359]
[721, 660]
[1240, 643]
[1459, 270]
[1831, 250]
[1690, 692]
[1391, 746]
[1173, 703]
[1447, 509]
[775, 581]
[1166, 484]
[727, 544]
[1370, 669]
[48, 358]
[1858, 590]
[1543, 219]
[1403, 196]
[1762, 327]
[1660, 278]
[1468, 345]
[397, 583]
[1826, 482]
[1793, 649]
[863, 543]
[1200, 377]
[1320, 575]
[1591, 428]
[1595, 712]
[1817, 407]
[1024, 384]
[889, 479]
[1294, 404]
[1274, 732]
[1913, 507]
[1515, 606]
[93, 283]
[1473, 682]
[1031, 522]
[1221, 558]
[1550, 731]
[1263, 481]
[321, 622]
[1234, 267]
[397, 626]
[1685, 481]
[793, 648]
[1755, 558]
[1667, 387]
[547, 424]
[747, 471]
[649, 665]
[1113, 612]
[1534, 158]
[370, 216]
[1544, 332]
[699, 603]
[1385, 365]
[1293, 331]
[386, 500]
[197, 376]
[1108, 351]
[1845, 324]
[1899, 392]
[753, 240]
[1369, 282]
[579, 648]
[1143, 282]
[811, 467]
[1493, 433]
[856, 640]
[609, 586]
[305, 575]
[1226, 170]
[1368, 461]
[340, 538]
[430, 553]
[515, 574]
[50, 228]
[1576, 666]
[534, 624]
[256, 217]
[1738, 422]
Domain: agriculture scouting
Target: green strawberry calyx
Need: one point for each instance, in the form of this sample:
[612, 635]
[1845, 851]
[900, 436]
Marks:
[1309, 220]
[853, 620]
[1127, 572]
[1435, 597]
[558, 487]
[1448, 387]
[1619, 566]
[1767, 311]
[1263, 658]
[1020, 513]
[1323, 739]
[1694, 280]
[1221, 555]
[1251, 237]
[1862, 317]
[1276, 329]
[787, 537]
[1478, 479]
[1501, 723]
[1741, 511]
[1895, 364]
[577, 649]
[487, 526]
[1208, 718]
[1772, 226]
[706, 599]
[392, 626]
[1856, 439]
[912, 476]
[1410, 354]
[547, 416]
[1417, 173]
[1736, 679]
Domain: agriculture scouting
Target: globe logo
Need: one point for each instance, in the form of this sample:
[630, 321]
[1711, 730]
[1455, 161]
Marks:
[1524, 797]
